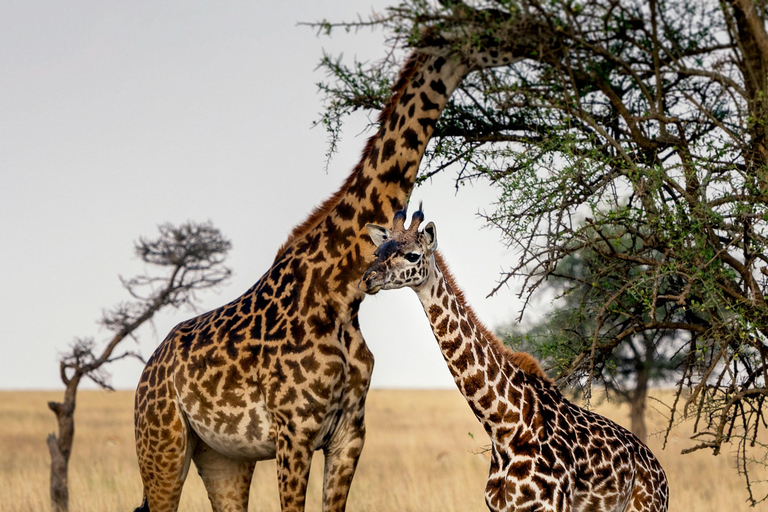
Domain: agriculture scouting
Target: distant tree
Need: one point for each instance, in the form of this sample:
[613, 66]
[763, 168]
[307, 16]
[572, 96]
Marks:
[643, 120]
[192, 257]
[567, 333]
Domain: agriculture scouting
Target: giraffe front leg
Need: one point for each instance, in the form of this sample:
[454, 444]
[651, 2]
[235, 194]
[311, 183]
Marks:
[293, 457]
[343, 450]
[226, 480]
[341, 458]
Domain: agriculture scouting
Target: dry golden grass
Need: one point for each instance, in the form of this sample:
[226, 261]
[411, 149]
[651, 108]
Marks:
[419, 455]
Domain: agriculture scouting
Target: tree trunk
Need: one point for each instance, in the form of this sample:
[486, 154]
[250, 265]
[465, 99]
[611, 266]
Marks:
[60, 447]
[753, 42]
[637, 402]
[59, 476]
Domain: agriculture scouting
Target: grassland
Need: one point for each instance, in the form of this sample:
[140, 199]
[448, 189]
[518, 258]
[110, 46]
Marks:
[423, 453]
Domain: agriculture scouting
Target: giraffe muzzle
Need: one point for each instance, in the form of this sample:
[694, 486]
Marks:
[371, 282]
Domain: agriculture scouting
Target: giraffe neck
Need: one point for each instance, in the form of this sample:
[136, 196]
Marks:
[487, 374]
[382, 181]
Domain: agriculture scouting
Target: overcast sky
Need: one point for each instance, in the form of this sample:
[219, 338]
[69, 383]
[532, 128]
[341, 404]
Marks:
[119, 116]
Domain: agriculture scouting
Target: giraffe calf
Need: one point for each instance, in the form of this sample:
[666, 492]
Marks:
[547, 454]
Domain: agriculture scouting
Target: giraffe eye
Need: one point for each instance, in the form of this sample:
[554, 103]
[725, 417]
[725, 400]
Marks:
[413, 257]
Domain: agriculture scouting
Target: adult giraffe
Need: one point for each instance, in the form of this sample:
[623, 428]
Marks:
[283, 370]
[547, 454]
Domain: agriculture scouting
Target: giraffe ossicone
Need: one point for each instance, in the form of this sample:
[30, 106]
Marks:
[547, 454]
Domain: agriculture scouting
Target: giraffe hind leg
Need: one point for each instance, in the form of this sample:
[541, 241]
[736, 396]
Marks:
[163, 472]
[164, 446]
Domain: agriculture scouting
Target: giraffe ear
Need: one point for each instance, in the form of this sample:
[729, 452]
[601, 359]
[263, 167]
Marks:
[430, 236]
[379, 234]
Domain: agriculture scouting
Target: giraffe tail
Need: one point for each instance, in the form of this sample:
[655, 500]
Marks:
[144, 506]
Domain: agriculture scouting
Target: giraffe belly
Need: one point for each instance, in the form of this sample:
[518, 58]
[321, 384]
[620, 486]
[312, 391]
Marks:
[248, 432]
[237, 432]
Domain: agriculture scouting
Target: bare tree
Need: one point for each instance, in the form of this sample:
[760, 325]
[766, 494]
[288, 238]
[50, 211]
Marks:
[191, 256]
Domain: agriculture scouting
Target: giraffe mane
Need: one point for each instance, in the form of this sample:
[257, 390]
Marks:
[522, 360]
[321, 211]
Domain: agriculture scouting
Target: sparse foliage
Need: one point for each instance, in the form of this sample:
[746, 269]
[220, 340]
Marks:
[191, 257]
[566, 333]
[636, 130]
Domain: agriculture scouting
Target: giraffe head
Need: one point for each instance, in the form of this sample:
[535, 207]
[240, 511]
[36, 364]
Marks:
[403, 255]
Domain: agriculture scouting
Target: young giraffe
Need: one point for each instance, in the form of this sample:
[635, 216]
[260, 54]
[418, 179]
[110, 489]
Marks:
[546, 453]
[283, 370]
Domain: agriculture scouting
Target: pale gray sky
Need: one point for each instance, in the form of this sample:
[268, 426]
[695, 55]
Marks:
[119, 116]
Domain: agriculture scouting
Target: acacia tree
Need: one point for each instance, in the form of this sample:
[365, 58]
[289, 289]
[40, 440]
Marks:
[579, 284]
[636, 129]
[191, 256]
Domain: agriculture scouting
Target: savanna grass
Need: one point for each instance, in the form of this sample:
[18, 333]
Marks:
[424, 452]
